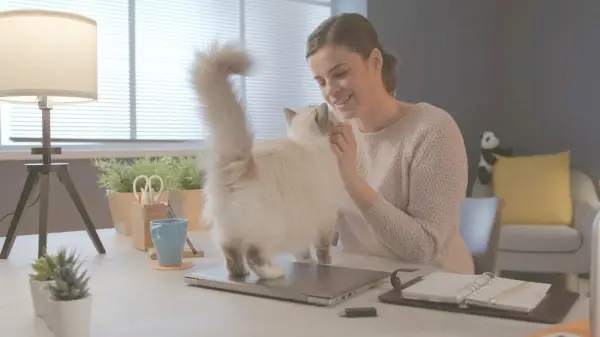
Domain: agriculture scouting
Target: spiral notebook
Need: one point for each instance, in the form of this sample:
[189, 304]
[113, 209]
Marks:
[485, 290]
[451, 292]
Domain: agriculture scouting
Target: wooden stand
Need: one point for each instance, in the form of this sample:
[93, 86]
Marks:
[184, 265]
[187, 253]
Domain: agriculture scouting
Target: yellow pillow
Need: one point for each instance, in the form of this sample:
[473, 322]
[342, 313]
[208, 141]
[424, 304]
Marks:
[535, 189]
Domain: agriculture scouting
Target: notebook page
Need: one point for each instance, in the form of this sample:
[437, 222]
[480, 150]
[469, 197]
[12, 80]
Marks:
[440, 287]
[510, 294]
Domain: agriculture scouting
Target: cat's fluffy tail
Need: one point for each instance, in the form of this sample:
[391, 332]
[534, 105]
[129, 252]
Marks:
[222, 112]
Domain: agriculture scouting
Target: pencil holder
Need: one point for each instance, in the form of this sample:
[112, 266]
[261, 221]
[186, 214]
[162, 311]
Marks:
[141, 216]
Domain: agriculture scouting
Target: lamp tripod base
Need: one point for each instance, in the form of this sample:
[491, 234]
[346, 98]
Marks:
[40, 173]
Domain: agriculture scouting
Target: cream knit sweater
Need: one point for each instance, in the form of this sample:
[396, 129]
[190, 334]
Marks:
[419, 167]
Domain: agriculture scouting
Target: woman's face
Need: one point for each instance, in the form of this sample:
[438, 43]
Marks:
[347, 81]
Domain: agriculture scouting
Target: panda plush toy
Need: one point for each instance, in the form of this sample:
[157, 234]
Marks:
[490, 148]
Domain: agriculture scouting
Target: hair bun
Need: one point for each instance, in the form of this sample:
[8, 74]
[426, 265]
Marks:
[389, 61]
[388, 71]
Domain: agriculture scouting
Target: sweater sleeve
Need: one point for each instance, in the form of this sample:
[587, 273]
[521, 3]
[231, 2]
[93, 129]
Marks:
[437, 187]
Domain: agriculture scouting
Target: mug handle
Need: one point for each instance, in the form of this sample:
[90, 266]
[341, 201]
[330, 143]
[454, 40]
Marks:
[155, 231]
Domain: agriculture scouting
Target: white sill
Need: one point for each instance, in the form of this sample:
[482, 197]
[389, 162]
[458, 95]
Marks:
[16, 153]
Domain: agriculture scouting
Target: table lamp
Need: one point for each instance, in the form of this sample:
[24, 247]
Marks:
[47, 57]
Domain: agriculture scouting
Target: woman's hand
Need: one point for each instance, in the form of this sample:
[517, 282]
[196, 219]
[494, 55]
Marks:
[343, 145]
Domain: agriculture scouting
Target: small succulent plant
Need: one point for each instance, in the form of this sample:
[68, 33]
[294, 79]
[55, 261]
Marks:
[70, 279]
[42, 269]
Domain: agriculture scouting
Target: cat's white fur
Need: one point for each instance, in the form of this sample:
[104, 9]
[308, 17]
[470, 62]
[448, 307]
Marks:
[270, 196]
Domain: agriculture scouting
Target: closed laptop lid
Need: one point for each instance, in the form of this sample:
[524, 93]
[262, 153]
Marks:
[310, 279]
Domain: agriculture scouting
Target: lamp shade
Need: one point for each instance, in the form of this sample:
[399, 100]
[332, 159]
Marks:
[48, 53]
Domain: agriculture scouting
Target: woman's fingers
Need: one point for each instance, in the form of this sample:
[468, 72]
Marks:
[344, 131]
[348, 135]
[338, 140]
[336, 149]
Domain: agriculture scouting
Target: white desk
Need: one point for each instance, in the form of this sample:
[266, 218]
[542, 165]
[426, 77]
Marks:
[130, 300]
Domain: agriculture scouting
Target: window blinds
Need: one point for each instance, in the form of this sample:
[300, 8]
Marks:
[146, 49]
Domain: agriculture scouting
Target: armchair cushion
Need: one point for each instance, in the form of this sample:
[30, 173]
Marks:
[536, 189]
[540, 239]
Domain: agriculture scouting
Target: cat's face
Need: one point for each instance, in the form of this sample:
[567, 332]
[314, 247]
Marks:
[306, 123]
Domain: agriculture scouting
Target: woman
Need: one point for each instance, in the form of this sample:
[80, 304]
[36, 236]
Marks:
[404, 165]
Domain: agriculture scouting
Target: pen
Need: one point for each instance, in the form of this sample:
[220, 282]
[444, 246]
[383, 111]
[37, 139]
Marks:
[398, 285]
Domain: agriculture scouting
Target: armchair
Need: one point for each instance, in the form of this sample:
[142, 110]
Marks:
[561, 249]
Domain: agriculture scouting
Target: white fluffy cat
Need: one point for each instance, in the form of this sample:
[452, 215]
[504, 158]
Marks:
[264, 197]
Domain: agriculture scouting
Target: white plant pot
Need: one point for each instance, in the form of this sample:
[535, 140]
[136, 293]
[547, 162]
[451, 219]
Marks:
[71, 318]
[50, 312]
[39, 296]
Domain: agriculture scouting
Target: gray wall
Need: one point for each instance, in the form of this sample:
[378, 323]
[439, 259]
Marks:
[552, 79]
[525, 69]
[448, 54]
[528, 70]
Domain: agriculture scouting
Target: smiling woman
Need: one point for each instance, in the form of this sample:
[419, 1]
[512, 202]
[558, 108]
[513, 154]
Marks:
[404, 165]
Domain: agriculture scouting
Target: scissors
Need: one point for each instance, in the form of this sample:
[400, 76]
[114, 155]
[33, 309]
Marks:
[148, 195]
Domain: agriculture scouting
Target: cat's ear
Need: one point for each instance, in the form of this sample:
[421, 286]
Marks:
[289, 115]
[322, 116]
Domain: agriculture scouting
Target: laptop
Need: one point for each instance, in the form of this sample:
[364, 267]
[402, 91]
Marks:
[309, 283]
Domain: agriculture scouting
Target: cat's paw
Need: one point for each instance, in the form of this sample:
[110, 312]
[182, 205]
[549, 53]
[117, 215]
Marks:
[324, 256]
[304, 256]
[306, 259]
[236, 267]
[239, 271]
[269, 271]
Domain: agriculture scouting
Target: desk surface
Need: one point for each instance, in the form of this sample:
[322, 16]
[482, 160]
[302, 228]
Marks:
[131, 299]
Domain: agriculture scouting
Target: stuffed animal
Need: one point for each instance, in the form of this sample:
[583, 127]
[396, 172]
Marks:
[490, 149]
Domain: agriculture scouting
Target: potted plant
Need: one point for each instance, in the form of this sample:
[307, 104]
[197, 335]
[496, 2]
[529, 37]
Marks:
[187, 179]
[117, 177]
[70, 300]
[39, 281]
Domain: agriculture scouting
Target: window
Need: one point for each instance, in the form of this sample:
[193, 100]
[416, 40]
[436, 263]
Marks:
[145, 55]
[276, 32]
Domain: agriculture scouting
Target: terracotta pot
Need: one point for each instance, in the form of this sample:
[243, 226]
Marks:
[189, 204]
[141, 216]
[119, 204]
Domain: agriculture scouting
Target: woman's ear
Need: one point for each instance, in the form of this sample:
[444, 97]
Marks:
[289, 115]
[376, 59]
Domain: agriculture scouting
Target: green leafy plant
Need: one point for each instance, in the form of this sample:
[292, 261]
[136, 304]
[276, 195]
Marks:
[70, 279]
[42, 270]
[187, 173]
[119, 175]
[115, 175]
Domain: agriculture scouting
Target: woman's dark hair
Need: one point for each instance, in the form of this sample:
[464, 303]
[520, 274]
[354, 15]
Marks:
[356, 33]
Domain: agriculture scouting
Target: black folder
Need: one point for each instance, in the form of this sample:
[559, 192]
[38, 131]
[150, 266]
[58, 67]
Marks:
[552, 309]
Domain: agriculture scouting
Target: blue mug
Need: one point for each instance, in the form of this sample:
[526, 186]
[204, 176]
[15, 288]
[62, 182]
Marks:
[168, 237]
